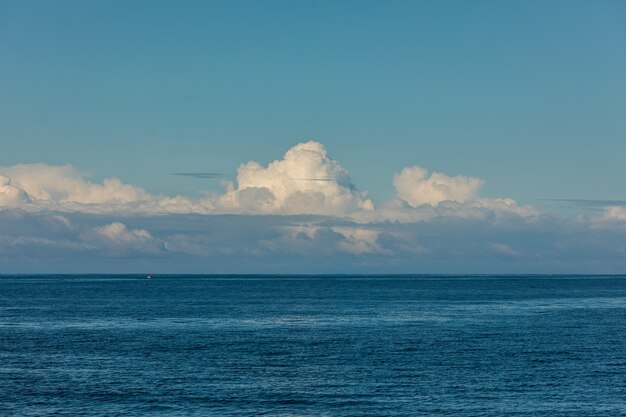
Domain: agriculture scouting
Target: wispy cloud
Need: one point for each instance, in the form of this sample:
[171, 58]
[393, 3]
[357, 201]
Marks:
[201, 175]
[583, 202]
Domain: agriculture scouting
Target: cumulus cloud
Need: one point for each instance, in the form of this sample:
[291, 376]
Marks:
[10, 195]
[64, 188]
[64, 184]
[415, 186]
[117, 235]
[359, 240]
[305, 181]
[614, 213]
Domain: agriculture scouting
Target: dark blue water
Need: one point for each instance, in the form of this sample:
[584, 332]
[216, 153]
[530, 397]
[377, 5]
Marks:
[312, 346]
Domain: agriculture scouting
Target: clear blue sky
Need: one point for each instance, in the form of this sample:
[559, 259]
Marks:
[529, 96]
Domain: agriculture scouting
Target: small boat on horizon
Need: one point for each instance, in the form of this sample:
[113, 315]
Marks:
[149, 276]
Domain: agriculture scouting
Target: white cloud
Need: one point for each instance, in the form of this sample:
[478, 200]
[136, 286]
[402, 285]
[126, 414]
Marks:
[504, 249]
[305, 181]
[360, 241]
[416, 187]
[424, 197]
[63, 188]
[10, 195]
[117, 235]
[614, 213]
[62, 184]
[492, 209]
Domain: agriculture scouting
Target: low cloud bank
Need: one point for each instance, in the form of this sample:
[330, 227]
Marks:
[188, 243]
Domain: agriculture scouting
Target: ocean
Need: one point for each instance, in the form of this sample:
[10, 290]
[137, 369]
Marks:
[101, 345]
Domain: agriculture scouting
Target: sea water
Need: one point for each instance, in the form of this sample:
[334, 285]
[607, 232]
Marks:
[312, 345]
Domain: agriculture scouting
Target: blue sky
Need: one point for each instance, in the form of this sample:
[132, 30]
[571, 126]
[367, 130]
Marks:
[528, 97]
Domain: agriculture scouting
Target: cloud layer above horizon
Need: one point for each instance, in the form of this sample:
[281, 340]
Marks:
[305, 181]
[300, 213]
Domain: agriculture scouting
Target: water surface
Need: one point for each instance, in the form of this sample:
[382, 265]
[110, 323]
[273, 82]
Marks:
[312, 346]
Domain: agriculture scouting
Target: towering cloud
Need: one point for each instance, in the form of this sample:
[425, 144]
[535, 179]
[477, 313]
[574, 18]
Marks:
[305, 181]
